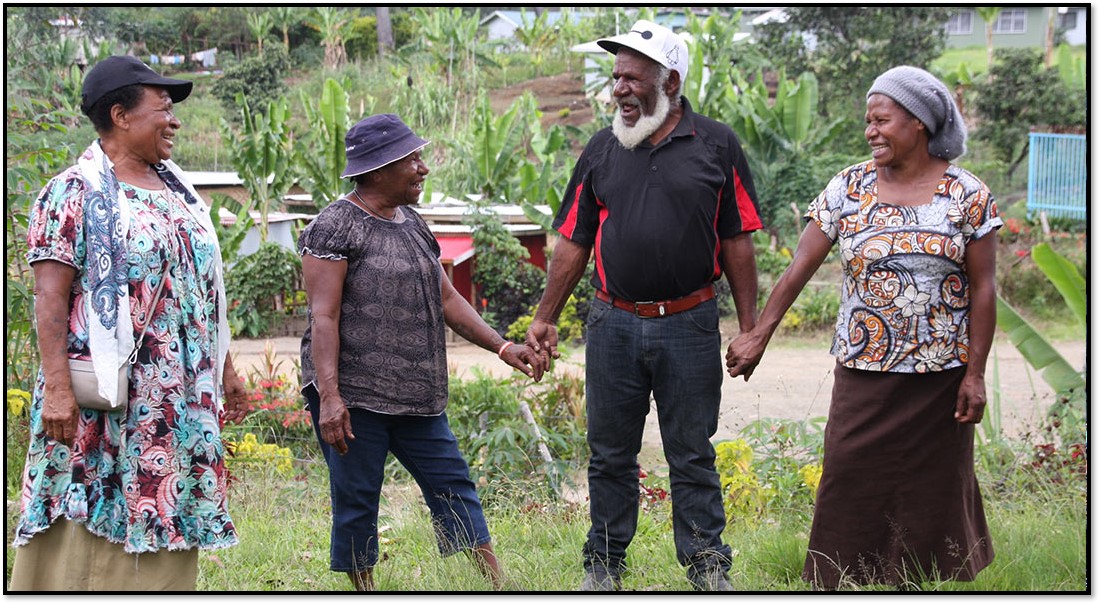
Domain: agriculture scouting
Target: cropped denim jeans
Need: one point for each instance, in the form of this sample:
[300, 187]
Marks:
[677, 358]
[428, 450]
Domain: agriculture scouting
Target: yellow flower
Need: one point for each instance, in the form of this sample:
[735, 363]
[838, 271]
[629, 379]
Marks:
[811, 477]
[17, 401]
[251, 452]
[733, 456]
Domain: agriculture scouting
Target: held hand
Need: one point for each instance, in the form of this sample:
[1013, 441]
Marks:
[542, 337]
[236, 397]
[970, 405]
[60, 414]
[335, 422]
[526, 360]
[744, 354]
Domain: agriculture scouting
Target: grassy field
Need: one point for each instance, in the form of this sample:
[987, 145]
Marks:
[1039, 538]
[1038, 517]
[976, 58]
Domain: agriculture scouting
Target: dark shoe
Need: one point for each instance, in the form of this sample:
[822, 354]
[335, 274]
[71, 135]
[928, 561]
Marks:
[712, 579]
[598, 579]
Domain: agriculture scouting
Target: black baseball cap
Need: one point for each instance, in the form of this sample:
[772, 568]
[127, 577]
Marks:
[117, 72]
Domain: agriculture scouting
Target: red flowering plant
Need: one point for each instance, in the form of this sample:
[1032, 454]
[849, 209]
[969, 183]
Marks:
[653, 494]
[277, 412]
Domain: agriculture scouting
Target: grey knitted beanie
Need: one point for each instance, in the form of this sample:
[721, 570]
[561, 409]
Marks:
[929, 100]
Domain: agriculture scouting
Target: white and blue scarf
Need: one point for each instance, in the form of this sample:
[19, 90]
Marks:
[106, 298]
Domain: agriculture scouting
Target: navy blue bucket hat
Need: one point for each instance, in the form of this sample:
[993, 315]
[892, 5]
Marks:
[377, 141]
[117, 72]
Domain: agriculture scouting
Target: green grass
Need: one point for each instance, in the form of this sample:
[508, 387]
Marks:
[1039, 539]
[976, 58]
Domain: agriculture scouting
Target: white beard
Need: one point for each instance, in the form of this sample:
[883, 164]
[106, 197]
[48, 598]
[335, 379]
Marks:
[632, 136]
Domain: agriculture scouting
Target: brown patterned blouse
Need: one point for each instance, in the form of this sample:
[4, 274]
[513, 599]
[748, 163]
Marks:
[393, 355]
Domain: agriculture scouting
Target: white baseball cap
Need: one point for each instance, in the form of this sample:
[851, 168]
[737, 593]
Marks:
[654, 41]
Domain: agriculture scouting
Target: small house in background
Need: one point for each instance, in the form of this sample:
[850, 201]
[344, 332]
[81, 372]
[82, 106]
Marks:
[1018, 26]
[282, 227]
[502, 24]
[443, 214]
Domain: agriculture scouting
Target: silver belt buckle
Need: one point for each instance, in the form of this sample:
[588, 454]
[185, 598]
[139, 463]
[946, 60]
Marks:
[660, 307]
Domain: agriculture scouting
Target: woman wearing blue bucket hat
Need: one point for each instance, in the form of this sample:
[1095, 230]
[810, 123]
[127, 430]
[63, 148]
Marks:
[374, 358]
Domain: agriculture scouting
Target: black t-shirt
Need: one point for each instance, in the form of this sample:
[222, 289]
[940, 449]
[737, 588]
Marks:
[655, 215]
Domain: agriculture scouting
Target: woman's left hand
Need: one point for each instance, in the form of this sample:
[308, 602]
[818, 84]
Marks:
[526, 360]
[970, 405]
[236, 397]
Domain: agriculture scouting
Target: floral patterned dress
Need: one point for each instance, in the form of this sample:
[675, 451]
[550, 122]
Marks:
[905, 300]
[151, 477]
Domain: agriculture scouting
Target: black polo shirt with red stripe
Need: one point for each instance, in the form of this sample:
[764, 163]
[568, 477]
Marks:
[655, 215]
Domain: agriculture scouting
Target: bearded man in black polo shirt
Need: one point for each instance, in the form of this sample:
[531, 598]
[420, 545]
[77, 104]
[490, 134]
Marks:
[665, 200]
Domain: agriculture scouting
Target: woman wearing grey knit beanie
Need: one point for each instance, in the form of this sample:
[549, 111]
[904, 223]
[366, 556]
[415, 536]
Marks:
[898, 501]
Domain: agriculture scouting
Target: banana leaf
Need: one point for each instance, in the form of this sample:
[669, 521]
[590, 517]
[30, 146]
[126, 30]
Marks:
[1056, 371]
[1064, 276]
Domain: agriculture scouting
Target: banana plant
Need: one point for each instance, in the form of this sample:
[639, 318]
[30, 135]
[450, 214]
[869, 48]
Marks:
[321, 152]
[537, 36]
[1067, 382]
[498, 143]
[262, 154]
[230, 237]
[1073, 70]
[540, 181]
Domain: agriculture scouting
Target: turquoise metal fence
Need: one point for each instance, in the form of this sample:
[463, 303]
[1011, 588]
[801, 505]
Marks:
[1057, 175]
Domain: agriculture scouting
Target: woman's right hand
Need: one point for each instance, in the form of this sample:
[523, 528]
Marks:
[60, 413]
[53, 284]
[335, 423]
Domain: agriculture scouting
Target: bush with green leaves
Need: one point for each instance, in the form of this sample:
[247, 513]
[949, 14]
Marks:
[570, 325]
[253, 285]
[500, 445]
[815, 309]
[508, 284]
[260, 78]
[1021, 95]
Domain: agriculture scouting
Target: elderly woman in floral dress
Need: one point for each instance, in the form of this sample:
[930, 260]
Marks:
[126, 260]
[898, 501]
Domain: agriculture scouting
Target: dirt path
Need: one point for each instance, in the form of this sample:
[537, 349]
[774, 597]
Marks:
[794, 380]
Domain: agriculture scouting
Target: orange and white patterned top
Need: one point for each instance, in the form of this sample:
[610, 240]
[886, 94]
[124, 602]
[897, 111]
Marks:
[904, 304]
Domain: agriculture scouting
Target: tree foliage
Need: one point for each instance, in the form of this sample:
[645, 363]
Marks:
[1021, 95]
[847, 47]
[259, 79]
[320, 152]
[262, 156]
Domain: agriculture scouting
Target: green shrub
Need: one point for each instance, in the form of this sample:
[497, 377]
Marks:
[1020, 281]
[254, 283]
[508, 284]
[815, 309]
[570, 325]
[260, 78]
[500, 446]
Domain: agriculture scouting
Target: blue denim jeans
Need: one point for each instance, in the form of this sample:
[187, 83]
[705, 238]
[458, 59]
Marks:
[677, 358]
[428, 450]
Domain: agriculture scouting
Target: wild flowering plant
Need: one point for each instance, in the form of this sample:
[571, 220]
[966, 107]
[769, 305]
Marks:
[742, 495]
[17, 401]
[250, 452]
[811, 477]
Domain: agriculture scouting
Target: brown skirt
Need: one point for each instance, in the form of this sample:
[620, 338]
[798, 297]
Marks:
[898, 499]
[67, 557]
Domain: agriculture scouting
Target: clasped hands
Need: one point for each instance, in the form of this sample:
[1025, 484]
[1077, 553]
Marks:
[744, 354]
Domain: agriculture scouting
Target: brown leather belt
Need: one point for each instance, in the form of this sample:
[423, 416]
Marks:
[659, 309]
